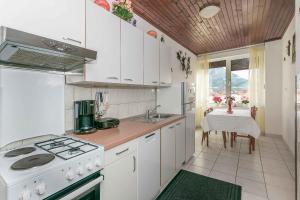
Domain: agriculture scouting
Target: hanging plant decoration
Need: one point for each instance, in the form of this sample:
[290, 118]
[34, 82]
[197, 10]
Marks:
[185, 63]
[123, 9]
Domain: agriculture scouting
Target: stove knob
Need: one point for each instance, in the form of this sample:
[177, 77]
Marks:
[25, 195]
[70, 175]
[89, 166]
[40, 189]
[79, 171]
[98, 163]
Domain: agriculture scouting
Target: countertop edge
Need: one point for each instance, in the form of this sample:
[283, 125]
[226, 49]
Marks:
[124, 139]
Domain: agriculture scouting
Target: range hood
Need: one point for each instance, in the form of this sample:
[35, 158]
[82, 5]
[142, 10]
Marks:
[25, 50]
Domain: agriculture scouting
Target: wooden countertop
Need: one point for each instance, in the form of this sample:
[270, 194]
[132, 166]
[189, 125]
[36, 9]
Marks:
[127, 130]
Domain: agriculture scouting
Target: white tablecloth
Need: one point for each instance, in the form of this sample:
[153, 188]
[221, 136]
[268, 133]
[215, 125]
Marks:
[239, 121]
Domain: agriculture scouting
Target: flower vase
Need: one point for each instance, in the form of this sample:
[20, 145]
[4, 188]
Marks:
[229, 108]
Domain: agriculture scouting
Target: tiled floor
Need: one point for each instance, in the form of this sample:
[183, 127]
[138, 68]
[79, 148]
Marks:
[267, 173]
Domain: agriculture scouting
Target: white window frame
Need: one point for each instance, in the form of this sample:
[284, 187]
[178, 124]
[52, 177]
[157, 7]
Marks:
[228, 68]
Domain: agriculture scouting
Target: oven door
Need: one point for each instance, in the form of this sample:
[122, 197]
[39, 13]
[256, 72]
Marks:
[85, 189]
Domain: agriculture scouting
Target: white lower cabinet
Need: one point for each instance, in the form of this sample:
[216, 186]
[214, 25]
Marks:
[172, 150]
[120, 173]
[180, 143]
[167, 153]
[190, 136]
[149, 166]
[137, 170]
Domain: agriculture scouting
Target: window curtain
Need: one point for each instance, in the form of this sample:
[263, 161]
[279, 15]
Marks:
[257, 84]
[202, 87]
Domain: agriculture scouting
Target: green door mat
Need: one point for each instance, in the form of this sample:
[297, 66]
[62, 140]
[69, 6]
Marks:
[191, 186]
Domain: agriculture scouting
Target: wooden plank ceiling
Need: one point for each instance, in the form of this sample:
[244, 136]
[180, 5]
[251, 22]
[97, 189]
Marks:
[239, 23]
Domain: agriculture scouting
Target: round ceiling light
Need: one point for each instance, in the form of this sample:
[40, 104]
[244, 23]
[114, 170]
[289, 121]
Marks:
[209, 11]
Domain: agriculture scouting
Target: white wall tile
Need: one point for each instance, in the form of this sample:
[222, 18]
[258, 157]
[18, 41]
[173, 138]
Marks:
[81, 93]
[69, 96]
[69, 119]
[123, 102]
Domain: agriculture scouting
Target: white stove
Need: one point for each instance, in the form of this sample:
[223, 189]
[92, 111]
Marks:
[42, 170]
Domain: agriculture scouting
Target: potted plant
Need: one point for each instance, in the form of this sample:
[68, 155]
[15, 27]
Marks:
[245, 101]
[123, 9]
[217, 100]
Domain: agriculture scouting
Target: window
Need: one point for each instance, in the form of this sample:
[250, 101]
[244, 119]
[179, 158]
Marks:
[239, 80]
[217, 81]
[229, 77]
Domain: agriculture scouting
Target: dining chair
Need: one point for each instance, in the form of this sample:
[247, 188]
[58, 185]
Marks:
[206, 134]
[234, 135]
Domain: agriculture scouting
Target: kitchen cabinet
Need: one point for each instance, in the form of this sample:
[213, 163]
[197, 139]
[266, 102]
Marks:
[103, 35]
[149, 166]
[120, 173]
[61, 20]
[131, 54]
[165, 74]
[180, 143]
[151, 60]
[168, 158]
[190, 136]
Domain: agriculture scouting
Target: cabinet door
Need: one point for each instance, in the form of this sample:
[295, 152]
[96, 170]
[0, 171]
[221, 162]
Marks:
[167, 153]
[149, 166]
[165, 65]
[190, 135]
[62, 20]
[120, 179]
[103, 35]
[180, 144]
[151, 60]
[131, 54]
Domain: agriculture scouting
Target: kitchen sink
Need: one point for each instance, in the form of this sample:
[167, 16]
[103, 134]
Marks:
[161, 116]
[153, 118]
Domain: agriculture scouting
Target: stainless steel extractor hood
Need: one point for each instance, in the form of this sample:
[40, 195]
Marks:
[25, 50]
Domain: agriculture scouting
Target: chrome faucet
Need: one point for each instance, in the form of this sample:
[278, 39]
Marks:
[150, 111]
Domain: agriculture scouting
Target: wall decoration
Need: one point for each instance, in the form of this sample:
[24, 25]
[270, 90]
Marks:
[162, 39]
[123, 9]
[103, 3]
[294, 49]
[288, 48]
[152, 33]
[185, 63]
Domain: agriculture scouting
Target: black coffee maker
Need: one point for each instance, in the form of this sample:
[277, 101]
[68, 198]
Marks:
[84, 112]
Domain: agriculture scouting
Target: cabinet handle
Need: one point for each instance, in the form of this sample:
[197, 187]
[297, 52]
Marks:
[113, 77]
[154, 82]
[178, 124]
[128, 79]
[171, 127]
[163, 83]
[119, 153]
[150, 135]
[134, 163]
[72, 40]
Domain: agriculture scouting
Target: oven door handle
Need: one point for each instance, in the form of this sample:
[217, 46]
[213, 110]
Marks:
[82, 189]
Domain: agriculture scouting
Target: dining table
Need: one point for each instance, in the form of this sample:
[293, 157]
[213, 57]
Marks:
[239, 121]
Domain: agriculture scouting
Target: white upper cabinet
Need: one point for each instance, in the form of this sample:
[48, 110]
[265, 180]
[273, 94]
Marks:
[62, 20]
[103, 35]
[151, 60]
[165, 65]
[131, 54]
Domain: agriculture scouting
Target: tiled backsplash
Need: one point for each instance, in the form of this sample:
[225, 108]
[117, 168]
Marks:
[123, 102]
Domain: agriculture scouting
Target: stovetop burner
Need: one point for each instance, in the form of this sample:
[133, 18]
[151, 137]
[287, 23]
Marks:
[32, 161]
[18, 152]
